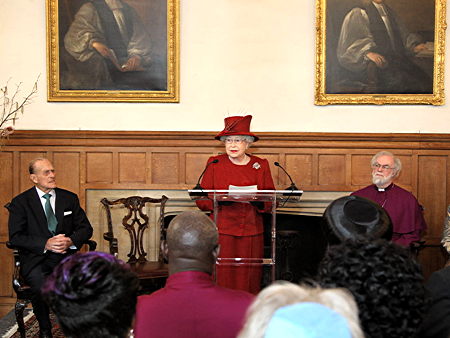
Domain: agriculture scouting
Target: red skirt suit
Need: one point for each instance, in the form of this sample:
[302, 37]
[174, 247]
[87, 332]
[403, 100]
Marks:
[240, 224]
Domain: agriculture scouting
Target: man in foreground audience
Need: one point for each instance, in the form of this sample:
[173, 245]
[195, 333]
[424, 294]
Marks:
[191, 305]
[385, 281]
[93, 295]
[436, 323]
[403, 208]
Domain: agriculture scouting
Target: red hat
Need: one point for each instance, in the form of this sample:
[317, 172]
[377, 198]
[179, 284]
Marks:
[237, 125]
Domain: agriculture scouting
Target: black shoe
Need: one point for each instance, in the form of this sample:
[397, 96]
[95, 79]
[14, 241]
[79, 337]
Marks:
[45, 334]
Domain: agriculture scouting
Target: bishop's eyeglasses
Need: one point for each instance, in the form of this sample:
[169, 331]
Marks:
[382, 166]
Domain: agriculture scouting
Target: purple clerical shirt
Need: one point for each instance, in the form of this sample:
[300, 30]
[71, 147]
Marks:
[191, 305]
[403, 208]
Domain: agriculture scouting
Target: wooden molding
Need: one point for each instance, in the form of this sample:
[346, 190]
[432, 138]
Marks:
[197, 139]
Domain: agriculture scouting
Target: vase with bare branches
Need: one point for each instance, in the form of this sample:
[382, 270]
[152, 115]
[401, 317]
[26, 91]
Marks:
[11, 106]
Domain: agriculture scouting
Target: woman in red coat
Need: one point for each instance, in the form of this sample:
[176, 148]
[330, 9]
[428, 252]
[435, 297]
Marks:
[240, 224]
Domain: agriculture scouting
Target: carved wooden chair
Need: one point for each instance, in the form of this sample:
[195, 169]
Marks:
[152, 274]
[23, 291]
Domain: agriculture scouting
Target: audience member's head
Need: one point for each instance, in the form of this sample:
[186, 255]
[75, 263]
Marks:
[277, 309]
[385, 281]
[93, 295]
[355, 217]
[192, 243]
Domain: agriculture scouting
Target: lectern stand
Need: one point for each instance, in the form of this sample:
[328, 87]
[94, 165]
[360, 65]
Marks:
[273, 197]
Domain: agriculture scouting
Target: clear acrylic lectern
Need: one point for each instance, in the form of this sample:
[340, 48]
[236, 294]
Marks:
[273, 197]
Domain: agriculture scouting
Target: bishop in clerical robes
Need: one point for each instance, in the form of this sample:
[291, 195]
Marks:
[403, 208]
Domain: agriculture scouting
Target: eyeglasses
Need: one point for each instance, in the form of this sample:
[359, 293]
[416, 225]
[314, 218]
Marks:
[237, 140]
[383, 167]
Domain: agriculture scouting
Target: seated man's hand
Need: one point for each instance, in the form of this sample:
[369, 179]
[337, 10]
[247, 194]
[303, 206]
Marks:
[58, 244]
[378, 59]
[420, 47]
[133, 63]
[102, 49]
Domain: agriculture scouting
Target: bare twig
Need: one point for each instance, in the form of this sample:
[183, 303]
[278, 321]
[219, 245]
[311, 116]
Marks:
[11, 107]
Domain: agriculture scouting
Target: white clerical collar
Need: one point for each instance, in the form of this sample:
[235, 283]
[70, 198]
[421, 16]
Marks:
[114, 4]
[380, 8]
[385, 189]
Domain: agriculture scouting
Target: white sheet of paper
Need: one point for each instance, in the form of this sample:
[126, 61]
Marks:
[238, 192]
[242, 187]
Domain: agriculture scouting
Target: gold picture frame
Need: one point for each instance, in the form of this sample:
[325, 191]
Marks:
[346, 75]
[88, 63]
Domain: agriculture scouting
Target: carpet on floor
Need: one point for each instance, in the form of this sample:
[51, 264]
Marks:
[9, 329]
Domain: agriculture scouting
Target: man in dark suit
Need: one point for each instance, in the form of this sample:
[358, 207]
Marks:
[46, 224]
[436, 323]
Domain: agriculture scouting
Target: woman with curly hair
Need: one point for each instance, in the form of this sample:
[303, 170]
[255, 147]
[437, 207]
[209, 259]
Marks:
[93, 295]
[385, 281]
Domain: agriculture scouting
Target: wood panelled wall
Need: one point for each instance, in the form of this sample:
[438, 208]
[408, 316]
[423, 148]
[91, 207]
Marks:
[174, 160]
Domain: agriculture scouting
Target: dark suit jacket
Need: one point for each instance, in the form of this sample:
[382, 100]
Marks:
[436, 323]
[28, 225]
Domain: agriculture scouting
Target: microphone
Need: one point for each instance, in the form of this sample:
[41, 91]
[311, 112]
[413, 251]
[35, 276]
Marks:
[292, 186]
[198, 186]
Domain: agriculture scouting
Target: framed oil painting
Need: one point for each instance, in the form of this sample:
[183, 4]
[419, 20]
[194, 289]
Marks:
[380, 51]
[113, 50]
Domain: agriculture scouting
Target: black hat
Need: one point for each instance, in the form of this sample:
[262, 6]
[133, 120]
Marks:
[355, 217]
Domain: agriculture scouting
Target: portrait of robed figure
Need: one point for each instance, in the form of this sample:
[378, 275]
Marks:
[114, 45]
[382, 47]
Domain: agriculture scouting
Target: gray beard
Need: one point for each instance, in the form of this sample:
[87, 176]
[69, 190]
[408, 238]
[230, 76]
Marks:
[381, 181]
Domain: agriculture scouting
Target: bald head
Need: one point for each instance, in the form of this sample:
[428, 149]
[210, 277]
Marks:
[192, 241]
[192, 232]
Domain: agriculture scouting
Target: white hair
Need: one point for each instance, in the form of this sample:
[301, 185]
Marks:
[397, 162]
[281, 294]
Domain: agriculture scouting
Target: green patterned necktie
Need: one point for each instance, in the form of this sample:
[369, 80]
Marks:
[51, 219]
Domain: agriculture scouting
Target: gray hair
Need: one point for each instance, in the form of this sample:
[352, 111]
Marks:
[31, 165]
[247, 138]
[282, 293]
[397, 162]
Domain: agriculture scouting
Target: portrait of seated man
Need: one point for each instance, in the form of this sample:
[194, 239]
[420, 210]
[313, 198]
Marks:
[108, 46]
[375, 52]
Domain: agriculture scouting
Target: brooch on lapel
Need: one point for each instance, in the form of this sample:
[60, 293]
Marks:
[256, 165]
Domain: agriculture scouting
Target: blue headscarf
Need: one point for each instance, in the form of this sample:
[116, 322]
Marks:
[307, 320]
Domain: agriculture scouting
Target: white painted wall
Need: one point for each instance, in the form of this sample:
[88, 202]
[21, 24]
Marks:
[237, 56]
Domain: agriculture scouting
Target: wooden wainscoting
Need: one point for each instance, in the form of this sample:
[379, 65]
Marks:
[174, 160]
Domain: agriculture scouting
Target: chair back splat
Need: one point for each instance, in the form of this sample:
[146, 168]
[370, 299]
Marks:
[135, 222]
